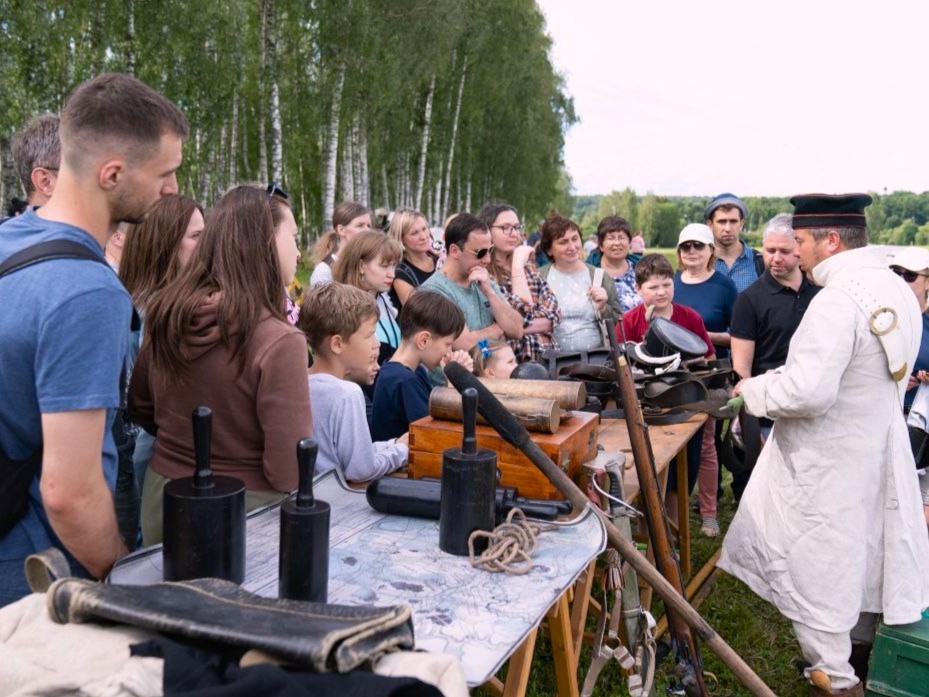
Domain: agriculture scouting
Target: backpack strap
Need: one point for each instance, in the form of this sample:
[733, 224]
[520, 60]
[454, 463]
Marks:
[758, 258]
[44, 251]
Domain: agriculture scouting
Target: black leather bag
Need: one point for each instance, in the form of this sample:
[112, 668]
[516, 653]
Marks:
[321, 637]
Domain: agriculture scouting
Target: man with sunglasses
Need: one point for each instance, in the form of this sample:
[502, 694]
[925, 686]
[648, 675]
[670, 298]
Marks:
[464, 279]
[830, 528]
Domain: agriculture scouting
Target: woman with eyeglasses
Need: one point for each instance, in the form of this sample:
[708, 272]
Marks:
[348, 219]
[614, 239]
[410, 230]
[512, 267]
[698, 285]
[582, 301]
[217, 336]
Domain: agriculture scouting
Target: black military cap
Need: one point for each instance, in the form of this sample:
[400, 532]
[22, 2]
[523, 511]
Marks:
[826, 210]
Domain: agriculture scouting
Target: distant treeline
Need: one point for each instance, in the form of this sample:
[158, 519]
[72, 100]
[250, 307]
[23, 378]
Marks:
[901, 217]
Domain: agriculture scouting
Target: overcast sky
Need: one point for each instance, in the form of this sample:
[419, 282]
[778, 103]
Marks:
[774, 98]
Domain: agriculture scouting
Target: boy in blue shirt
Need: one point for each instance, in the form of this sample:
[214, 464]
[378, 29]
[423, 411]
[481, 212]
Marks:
[429, 324]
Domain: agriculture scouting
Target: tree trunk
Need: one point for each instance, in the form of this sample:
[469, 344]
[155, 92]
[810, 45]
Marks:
[346, 172]
[424, 147]
[130, 37]
[263, 66]
[220, 161]
[385, 193]
[332, 150]
[356, 161]
[233, 138]
[454, 135]
[277, 148]
[364, 182]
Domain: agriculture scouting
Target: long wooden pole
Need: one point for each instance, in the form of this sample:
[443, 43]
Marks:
[653, 506]
[517, 436]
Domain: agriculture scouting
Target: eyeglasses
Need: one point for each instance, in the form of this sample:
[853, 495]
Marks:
[906, 274]
[275, 190]
[615, 237]
[687, 246]
[480, 253]
[509, 229]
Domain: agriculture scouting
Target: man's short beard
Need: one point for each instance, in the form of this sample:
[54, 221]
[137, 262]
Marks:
[127, 209]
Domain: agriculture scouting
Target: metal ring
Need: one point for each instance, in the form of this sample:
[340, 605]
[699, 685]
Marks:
[880, 311]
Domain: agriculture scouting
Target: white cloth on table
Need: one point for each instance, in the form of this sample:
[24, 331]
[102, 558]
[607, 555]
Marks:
[831, 523]
[40, 657]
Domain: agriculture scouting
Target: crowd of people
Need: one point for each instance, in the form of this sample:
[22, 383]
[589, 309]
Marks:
[102, 364]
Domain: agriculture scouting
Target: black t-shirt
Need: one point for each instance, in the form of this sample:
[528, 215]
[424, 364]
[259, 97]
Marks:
[412, 275]
[769, 313]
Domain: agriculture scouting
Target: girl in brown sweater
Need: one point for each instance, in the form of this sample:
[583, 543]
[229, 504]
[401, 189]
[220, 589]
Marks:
[217, 336]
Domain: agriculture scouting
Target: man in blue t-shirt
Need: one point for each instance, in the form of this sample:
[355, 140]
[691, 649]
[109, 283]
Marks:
[63, 331]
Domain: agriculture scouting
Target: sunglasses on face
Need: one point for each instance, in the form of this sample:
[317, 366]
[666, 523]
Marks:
[480, 253]
[687, 246]
[905, 274]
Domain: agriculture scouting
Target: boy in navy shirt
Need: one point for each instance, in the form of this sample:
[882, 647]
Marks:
[429, 324]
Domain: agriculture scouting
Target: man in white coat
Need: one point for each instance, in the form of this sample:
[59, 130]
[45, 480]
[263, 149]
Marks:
[830, 528]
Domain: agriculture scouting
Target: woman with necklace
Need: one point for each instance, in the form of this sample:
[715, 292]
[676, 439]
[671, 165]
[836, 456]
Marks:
[410, 230]
[614, 237]
[513, 269]
[582, 301]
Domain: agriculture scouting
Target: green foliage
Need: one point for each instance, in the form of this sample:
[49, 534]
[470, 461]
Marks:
[222, 61]
[900, 218]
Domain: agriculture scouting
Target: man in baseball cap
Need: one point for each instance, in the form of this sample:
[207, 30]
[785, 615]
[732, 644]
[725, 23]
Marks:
[726, 216]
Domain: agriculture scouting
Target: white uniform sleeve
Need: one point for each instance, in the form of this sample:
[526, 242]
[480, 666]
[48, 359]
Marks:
[820, 351]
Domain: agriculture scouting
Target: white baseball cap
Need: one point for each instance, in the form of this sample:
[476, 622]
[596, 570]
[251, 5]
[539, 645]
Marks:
[912, 259]
[696, 232]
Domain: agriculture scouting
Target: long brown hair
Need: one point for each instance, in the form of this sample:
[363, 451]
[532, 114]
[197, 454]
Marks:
[362, 248]
[150, 259]
[236, 258]
[488, 214]
[343, 214]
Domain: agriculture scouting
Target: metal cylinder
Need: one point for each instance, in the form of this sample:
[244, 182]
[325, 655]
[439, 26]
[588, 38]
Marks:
[204, 530]
[303, 562]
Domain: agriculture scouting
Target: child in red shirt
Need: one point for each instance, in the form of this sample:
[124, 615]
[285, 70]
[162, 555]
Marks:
[654, 280]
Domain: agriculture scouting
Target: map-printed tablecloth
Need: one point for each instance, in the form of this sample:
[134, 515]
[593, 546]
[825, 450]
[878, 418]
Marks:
[377, 559]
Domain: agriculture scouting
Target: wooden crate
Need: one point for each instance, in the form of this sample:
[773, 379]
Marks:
[574, 444]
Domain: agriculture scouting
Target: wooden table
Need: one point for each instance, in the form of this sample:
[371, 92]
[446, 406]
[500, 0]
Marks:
[668, 443]
[566, 620]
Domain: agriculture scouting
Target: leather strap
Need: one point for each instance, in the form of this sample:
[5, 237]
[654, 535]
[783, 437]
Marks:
[883, 323]
[44, 568]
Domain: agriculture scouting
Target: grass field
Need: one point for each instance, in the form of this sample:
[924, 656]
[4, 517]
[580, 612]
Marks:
[752, 627]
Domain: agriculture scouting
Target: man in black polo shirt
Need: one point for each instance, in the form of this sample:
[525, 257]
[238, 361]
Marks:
[767, 314]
